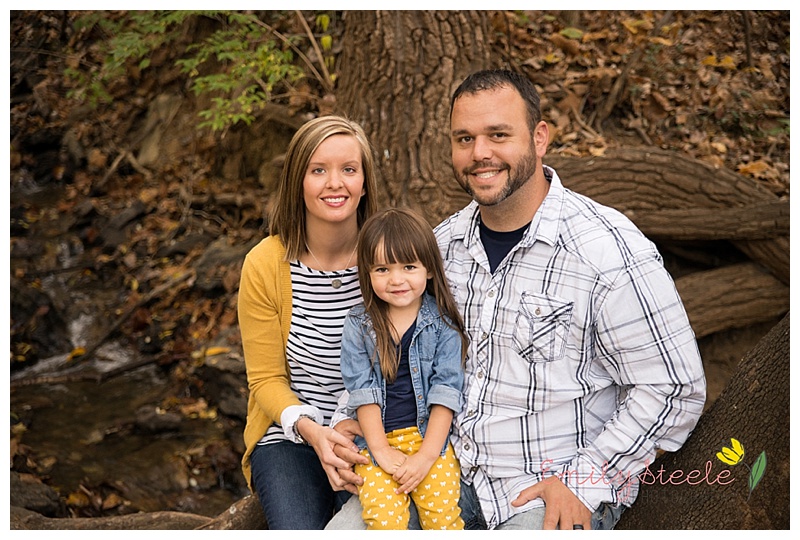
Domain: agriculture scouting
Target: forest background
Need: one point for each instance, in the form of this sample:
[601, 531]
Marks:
[145, 147]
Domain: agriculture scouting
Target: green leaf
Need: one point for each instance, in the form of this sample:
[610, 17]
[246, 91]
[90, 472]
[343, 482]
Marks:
[326, 41]
[757, 471]
[323, 21]
[571, 33]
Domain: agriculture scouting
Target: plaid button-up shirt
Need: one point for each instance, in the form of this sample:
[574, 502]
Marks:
[582, 362]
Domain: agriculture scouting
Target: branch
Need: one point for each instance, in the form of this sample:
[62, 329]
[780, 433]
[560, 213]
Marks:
[313, 41]
[324, 81]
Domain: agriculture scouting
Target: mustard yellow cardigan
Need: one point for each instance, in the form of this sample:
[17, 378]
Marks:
[265, 315]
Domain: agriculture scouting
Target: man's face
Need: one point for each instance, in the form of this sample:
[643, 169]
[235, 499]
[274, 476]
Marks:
[492, 148]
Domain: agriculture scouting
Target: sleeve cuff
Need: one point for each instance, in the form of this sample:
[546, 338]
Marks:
[292, 413]
[341, 409]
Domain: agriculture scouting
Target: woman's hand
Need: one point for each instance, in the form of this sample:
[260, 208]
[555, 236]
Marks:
[336, 451]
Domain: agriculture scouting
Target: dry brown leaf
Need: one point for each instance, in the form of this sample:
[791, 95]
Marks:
[569, 46]
[719, 147]
[597, 151]
[727, 62]
[78, 499]
[112, 501]
[661, 41]
[756, 169]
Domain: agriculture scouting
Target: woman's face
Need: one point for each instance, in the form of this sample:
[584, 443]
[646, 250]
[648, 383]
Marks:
[334, 181]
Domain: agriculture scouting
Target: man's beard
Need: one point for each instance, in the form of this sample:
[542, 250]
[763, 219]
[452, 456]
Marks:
[523, 172]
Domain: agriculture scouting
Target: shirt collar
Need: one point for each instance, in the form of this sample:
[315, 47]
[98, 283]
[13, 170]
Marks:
[544, 226]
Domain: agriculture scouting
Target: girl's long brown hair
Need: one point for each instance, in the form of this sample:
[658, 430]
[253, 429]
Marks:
[405, 237]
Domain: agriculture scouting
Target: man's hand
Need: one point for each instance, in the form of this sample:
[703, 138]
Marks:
[562, 508]
[336, 451]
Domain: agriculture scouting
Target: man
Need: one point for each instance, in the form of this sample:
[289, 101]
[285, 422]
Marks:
[582, 363]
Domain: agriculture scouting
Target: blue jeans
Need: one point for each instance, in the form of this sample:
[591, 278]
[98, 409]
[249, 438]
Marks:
[292, 487]
[349, 518]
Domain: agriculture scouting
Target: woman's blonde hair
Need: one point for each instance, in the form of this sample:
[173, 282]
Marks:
[286, 220]
[405, 237]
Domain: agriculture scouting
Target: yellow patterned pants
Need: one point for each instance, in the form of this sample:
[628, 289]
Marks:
[436, 496]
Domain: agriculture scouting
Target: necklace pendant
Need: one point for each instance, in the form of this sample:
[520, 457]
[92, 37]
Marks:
[336, 283]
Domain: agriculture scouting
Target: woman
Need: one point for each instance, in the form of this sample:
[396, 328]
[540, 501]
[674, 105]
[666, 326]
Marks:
[296, 288]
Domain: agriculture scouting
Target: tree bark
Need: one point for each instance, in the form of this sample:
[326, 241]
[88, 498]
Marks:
[22, 519]
[396, 78]
[734, 296]
[758, 221]
[638, 180]
[754, 409]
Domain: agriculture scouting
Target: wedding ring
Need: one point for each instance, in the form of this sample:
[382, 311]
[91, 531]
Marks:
[577, 527]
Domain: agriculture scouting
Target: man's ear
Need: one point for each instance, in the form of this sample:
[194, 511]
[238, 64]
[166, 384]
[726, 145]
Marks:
[541, 138]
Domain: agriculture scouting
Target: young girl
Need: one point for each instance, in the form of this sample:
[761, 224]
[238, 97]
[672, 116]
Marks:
[402, 356]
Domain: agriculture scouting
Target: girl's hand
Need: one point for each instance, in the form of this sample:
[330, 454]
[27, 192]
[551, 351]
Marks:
[413, 471]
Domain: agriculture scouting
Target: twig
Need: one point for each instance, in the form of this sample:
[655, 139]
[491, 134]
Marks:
[746, 19]
[92, 376]
[136, 165]
[124, 154]
[577, 116]
[316, 48]
[111, 170]
[324, 81]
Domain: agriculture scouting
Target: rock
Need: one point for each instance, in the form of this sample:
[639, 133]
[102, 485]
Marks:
[30, 493]
[153, 419]
[184, 245]
[217, 261]
[38, 330]
[225, 384]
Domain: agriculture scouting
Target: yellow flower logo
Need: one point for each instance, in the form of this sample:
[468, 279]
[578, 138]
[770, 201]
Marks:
[735, 454]
[732, 455]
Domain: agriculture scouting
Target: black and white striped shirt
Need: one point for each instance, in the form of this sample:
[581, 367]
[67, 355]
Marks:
[315, 342]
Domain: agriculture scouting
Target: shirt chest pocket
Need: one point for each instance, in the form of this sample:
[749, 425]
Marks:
[542, 327]
[425, 347]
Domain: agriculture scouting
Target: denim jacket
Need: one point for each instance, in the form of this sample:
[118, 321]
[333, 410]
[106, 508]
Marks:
[434, 360]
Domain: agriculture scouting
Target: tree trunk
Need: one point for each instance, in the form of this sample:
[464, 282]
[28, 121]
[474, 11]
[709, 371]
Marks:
[754, 409]
[396, 78]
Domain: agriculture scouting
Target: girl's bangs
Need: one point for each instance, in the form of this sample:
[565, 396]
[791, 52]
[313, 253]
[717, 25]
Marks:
[397, 248]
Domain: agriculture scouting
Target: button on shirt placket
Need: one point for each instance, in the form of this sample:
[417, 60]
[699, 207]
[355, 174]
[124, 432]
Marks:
[482, 358]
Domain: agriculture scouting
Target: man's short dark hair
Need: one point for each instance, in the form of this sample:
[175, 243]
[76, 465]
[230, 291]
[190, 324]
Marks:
[491, 79]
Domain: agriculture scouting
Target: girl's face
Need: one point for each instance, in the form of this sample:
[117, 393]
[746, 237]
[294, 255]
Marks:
[334, 181]
[400, 285]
